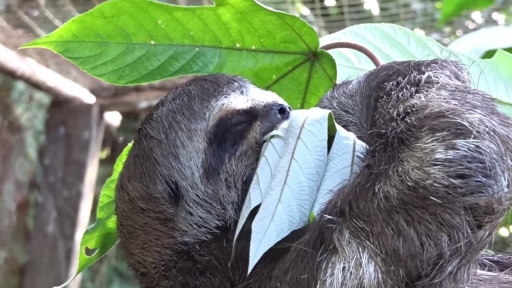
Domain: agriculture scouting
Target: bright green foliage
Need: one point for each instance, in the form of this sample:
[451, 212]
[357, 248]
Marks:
[453, 8]
[502, 61]
[128, 42]
[391, 42]
[100, 237]
[507, 222]
[489, 54]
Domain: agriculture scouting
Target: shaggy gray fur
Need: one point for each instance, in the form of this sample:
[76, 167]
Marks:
[433, 187]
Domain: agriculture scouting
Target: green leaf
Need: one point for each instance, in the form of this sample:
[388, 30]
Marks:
[507, 221]
[312, 217]
[490, 53]
[453, 8]
[390, 42]
[332, 130]
[483, 41]
[100, 237]
[503, 62]
[128, 42]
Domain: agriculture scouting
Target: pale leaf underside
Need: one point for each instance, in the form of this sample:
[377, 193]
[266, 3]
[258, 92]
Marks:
[295, 177]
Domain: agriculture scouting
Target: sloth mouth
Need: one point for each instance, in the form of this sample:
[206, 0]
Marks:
[273, 115]
[265, 131]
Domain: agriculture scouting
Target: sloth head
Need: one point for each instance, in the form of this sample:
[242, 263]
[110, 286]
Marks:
[203, 139]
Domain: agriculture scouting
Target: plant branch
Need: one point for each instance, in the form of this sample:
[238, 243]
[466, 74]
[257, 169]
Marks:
[48, 14]
[353, 46]
[42, 78]
[30, 23]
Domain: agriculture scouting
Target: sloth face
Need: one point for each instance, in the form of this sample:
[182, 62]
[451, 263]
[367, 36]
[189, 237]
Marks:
[204, 137]
[238, 120]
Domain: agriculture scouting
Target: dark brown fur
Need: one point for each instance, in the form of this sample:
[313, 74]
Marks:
[433, 187]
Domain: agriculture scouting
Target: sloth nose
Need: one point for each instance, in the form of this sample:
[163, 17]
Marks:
[281, 111]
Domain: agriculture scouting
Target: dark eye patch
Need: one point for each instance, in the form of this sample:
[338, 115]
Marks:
[230, 127]
[226, 136]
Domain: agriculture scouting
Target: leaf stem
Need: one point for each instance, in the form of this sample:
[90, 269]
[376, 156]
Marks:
[353, 46]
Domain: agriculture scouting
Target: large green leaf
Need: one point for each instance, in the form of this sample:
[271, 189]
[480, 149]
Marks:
[100, 237]
[391, 42]
[484, 42]
[453, 8]
[128, 42]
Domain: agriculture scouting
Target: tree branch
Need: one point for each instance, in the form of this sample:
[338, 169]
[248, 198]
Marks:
[42, 78]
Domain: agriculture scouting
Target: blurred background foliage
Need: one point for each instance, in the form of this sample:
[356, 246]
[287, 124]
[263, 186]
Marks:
[38, 193]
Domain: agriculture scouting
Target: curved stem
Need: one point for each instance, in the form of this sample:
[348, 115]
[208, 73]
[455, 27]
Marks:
[353, 46]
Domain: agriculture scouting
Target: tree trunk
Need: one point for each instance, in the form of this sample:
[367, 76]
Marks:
[67, 176]
[22, 116]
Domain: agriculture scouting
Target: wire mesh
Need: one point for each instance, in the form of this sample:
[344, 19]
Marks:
[39, 17]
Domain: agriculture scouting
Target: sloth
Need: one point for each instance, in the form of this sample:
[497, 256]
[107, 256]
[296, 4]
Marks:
[432, 187]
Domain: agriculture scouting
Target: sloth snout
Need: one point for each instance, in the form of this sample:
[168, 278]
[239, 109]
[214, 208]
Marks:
[273, 115]
[280, 111]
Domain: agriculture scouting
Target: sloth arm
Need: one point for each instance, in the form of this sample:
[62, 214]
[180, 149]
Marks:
[432, 188]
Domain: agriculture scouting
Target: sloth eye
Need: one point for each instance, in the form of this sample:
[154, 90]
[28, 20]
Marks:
[245, 118]
[226, 136]
[240, 121]
[233, 126]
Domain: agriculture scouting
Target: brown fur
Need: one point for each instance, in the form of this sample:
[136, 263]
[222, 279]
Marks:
[432, 189]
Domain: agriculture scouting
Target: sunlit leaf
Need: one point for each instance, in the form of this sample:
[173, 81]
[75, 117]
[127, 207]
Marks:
[100, 237]
[483, 41]
[391, 42]
[127, 42]
[453, 8]
[490, 53]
